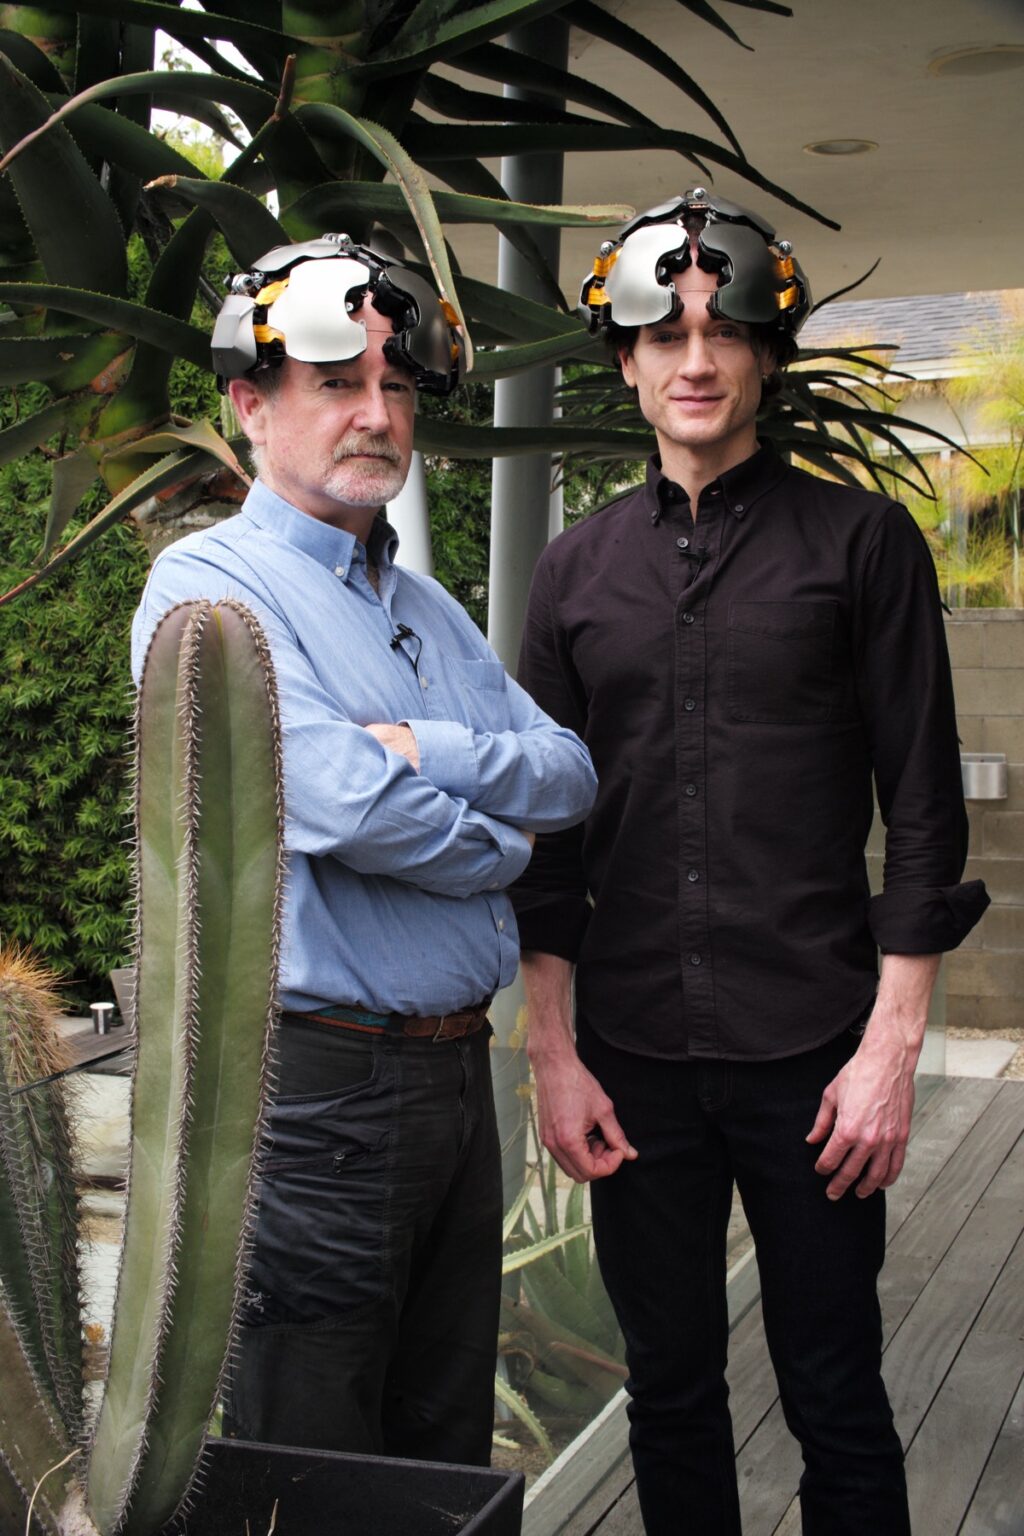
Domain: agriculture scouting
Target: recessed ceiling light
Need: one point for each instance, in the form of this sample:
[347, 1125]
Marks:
[985, 59]
[840, 147]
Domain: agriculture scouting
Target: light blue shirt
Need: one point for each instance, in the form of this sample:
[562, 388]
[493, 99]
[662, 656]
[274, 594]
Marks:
[395, 885]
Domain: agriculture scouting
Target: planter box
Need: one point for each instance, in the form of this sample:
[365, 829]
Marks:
[330, 1493]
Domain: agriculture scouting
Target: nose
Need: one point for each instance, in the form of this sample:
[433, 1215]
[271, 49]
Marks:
[696, 357]
[372, 414]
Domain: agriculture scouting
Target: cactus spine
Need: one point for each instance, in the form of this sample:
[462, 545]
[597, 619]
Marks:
[210, 867]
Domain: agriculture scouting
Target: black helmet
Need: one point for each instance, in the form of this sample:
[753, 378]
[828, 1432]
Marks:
[760, 281]
[298, 301]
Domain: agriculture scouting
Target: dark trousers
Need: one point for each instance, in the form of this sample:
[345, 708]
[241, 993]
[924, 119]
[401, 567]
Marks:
[371, 1315]
[660, 1229]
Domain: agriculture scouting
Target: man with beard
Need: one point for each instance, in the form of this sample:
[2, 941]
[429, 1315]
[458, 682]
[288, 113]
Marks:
[416, 775]
[743, 648]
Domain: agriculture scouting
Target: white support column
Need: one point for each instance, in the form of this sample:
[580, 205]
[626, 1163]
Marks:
[409, 516]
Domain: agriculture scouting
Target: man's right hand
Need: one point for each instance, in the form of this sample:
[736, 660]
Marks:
[577, 1118]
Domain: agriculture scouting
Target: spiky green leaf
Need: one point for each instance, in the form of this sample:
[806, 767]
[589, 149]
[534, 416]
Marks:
[77, 236]
[120, 314]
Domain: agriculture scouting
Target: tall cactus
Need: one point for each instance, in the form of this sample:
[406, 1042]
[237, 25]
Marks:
[209, 819]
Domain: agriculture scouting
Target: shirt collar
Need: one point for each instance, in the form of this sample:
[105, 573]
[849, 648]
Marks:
[331, 547]
[740, 487]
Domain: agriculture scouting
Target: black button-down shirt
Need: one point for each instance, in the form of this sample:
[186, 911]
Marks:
[738, 679]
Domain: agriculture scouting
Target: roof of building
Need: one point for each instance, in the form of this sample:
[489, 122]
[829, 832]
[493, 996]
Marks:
[928, 328]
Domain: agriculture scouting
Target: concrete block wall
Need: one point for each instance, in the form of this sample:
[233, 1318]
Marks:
[985, 977]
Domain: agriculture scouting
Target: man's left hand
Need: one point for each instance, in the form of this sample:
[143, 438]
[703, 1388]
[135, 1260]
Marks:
[865, 1112]
[397, 738]
[867, 1108]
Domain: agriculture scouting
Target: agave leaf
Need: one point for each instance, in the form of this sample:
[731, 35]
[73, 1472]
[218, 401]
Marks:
[77, 236]
[106, 135]
[145, 395]
[197, 435]
[34, 64]
[187, 23]
[445, 40]
[473, 179]
[121, 314]
[201, 111]
[567, 1397]
[705, 12]
[33, 431]
[504, 362]
[518, 1205]
[72, 476]
[246, 224]
[519, 1258]
[512, 1400]
[576, 1255]
[41, 357]
[175, 469]
[567, 1331]
[447, 99]
[380, 200]
[252, 102]
[509, 315]
[455, 441]
[590, 18]
[494, 62]
[332, 121]
[431, 142]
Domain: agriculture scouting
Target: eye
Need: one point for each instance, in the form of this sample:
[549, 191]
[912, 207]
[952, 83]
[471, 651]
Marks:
[399, 386]
[335, 383]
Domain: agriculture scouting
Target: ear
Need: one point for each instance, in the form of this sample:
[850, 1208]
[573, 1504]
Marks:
[251, 408]
[766, 360]
[628, 370]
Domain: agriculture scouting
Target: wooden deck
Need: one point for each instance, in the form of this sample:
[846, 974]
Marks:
[952, 1296]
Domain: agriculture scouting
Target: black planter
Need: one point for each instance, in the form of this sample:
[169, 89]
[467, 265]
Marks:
[330, 1493]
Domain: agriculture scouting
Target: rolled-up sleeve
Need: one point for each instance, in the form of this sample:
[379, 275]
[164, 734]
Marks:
[906, 696]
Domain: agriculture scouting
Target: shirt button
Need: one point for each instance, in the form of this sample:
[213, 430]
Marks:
[691, 789]
[339, 570]
[682, 543]
[689, 704]
[695, 959]
[692, 875]
[501, 925]
[739, 506]
[687, 618]
[424, 683]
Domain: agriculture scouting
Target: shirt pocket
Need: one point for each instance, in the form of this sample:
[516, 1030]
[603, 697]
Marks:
[479, 685]
[780, 662]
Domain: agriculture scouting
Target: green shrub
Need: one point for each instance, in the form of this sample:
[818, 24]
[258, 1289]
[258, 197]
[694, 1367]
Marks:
[66, 707]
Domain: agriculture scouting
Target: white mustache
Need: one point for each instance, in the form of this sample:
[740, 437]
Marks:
[373, 447]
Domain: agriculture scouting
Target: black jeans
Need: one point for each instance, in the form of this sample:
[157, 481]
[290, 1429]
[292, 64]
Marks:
[660, 1228]
[371, 1316]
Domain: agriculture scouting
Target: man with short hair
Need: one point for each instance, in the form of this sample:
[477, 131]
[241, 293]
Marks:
[415, 776]
[743, 647]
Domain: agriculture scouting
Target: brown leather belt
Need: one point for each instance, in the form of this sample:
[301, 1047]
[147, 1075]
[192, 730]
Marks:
[431, 1026]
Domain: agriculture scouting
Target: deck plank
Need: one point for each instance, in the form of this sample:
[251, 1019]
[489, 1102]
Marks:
[999, 1499]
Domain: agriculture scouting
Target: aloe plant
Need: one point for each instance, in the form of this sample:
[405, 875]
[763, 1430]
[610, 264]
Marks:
[331, 107]
[209, 879]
